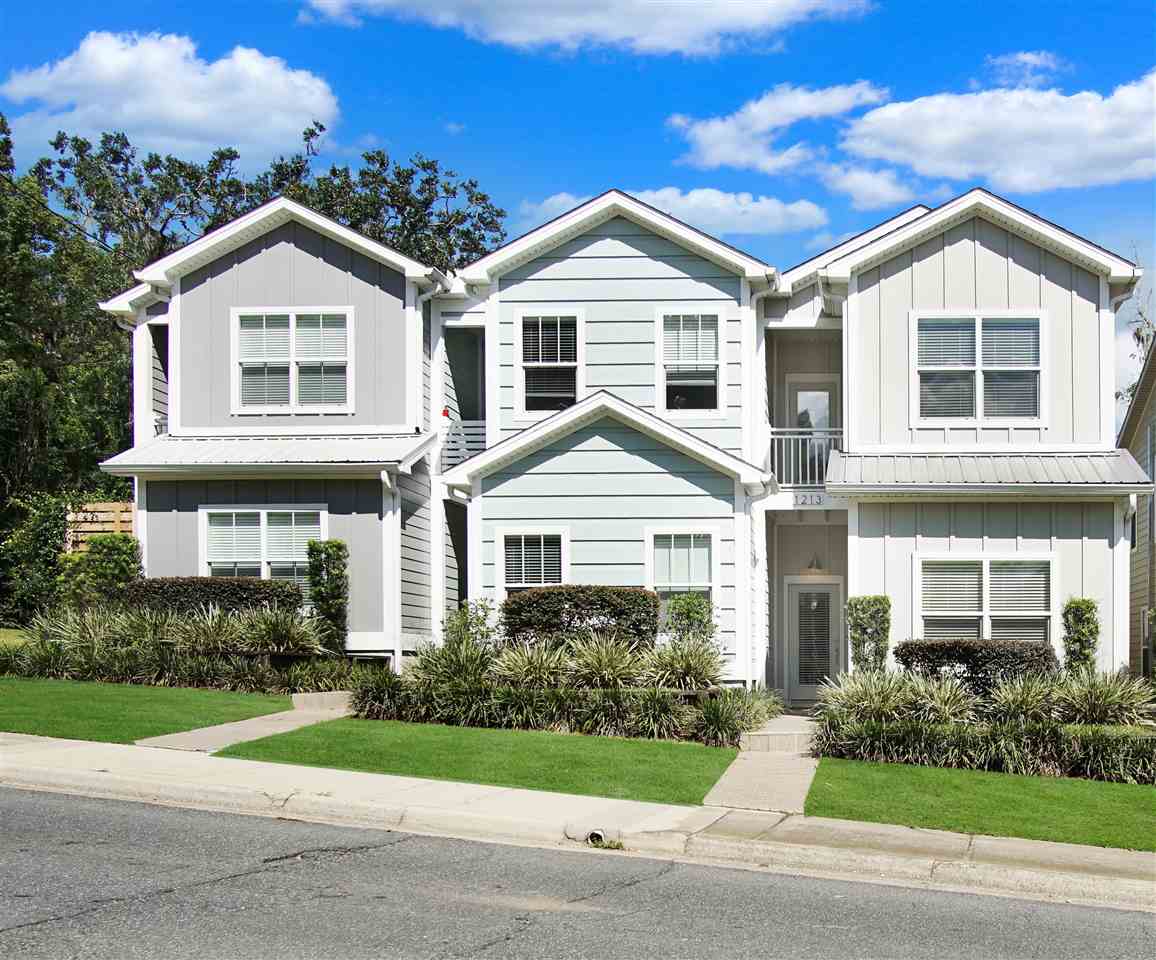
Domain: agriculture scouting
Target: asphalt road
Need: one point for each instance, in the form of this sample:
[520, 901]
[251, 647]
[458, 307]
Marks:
[97, 878]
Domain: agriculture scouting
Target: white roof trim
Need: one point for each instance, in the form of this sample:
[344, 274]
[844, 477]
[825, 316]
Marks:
[126, 304]
[999, 211]
[589, 410]
[258, 222]
[602, 208]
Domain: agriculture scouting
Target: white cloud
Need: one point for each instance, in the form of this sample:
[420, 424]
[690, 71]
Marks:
[453, 128]
[1025, 68]
[745, 139]
[1018, 140]
[868, 189]
[640, 26]
[714, 211]
[157, 90]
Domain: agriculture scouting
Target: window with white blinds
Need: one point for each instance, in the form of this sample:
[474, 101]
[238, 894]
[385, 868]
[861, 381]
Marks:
[690, 361]
[531, 560]
[549, 362]
[978, 368]
[682, 563]
[263, 542]
[998, 599]
[293, 361]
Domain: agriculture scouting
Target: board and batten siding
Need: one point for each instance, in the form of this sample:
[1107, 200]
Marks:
[354, 508]
[414, 500]
[293, 266]
[619, 274]
[1080, 537]
[975, 265]
[607, 483]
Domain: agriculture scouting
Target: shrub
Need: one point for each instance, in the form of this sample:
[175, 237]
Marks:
[461, 659]
[659, 715]
[207, 629]
[378, 695]
[978, 663]
[869, 629]
[941, 700]
[722, 720]
[99, 574]
[689, 619]
[1081, 633]
[188, 594]
[1028, 700]
[1104, 698]
[531, 665]
[329, 589]
[865, 696]
[471, 620]
[691, 664]
[278, 630]
[601, 661]
[30, 553]
[576, 610]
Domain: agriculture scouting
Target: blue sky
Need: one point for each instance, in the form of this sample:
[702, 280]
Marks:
[780, 125]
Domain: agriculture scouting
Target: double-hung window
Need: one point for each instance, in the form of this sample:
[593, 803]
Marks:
[682, 563]
[531, 560]
[266, 542]
[977, 368]
[690, 361]
[550, 374]
[293, 361]
[993, 599]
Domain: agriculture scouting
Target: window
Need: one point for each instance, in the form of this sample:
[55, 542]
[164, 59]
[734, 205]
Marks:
[531, 560]
[997, 599]
[1132, 530]
[977, 368]
[261, 542]
[293, 361]
[549, 362]
[690, 361]
[682, 564]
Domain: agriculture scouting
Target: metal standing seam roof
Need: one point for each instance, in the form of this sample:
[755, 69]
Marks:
[171, 452]
[1113, 471]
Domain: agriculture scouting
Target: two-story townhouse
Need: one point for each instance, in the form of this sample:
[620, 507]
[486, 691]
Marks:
[924, 410]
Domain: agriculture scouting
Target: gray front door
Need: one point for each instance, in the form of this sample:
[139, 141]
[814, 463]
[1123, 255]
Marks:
[813, 617]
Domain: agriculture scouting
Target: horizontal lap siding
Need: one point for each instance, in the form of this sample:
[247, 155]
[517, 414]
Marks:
[415, 574]
[620, 274]
[607, 483]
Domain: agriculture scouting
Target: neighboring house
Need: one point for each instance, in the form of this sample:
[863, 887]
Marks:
[924, 410]
[1138, 435]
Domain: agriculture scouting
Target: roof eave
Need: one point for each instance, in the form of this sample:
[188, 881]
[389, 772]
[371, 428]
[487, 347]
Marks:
[241, 470]
[1043, 490]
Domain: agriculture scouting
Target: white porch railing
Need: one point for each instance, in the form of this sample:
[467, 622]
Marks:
[463, 439]
[799, 456]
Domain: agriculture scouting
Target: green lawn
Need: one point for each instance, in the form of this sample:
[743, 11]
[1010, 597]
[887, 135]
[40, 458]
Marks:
[120, 713]
[655, 770]
[12, 637]
[997, 804]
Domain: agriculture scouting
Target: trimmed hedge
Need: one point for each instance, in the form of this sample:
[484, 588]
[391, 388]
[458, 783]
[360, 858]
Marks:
[329, 588]
[978, 663]
[1081, 633]
[630, 613]
[187, 594]
[869, 628]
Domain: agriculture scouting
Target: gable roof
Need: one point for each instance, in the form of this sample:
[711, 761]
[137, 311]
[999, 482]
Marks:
[1004, 213]
[613, 203]
[1139, 402]
[589, 410]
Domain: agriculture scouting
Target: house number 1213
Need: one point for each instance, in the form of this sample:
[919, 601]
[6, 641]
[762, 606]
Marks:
[810, 499]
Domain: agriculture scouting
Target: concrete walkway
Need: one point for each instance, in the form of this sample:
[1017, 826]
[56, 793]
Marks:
[212, 739]
[761, 840]
[765, 781]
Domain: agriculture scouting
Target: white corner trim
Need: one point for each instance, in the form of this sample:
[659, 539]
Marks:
[391, 569]
[175, 380]
[493, 354]
[474, 543]
[533, 530]
[143, 424]
[413, 329]
[140, 520]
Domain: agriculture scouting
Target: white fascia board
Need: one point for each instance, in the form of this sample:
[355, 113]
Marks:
[949, 490]
[1002, 213]
[593, 408]
[242, 471]
[419, 450]
[128, 303]
[600, 209]
[257, 222]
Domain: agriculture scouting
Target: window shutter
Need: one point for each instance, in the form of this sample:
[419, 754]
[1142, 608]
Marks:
[1011, 394]
[1020, 585]
[233, 536]
[1011, 343]
[952, 585]
[1020, 629]
[946, 343]
[946, 394]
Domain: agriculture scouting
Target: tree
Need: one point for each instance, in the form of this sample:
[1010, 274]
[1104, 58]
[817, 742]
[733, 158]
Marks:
[1143, 330]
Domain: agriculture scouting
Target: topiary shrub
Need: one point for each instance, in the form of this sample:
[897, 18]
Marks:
[570, 610]
[1081, 633]
[189, 594]
[99, 574]
[869, 629]
[329, 589]
[978, 663]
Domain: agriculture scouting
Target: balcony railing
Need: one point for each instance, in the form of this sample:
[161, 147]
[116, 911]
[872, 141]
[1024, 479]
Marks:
[799, 456]
[463, 439]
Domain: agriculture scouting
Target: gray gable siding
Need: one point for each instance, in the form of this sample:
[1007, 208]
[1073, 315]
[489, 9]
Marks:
[292, 266]
[620, 273]
[607, 483]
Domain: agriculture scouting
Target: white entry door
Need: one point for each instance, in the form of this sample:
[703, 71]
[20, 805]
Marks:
[814, 613]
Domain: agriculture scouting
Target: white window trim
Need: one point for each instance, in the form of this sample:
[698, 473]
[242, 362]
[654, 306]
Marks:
[682, 309]
[538, 530]
[979, 420]
[521, 414]
[1055, 629]
[714, 531]
[292, 407]
[264, 510]
[832, 380]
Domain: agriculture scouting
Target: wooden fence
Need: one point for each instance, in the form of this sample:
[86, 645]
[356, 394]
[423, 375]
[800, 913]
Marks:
[94, 518]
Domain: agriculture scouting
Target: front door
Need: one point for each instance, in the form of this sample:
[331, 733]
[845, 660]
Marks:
[813, 618]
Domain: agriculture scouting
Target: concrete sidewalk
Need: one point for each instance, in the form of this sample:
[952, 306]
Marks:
[772, 841]
[212, 739]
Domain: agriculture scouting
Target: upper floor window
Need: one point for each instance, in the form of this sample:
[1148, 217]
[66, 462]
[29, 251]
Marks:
[264, 542]
[550, 361]
[295, 361]
[977, 368]
[690, 362]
